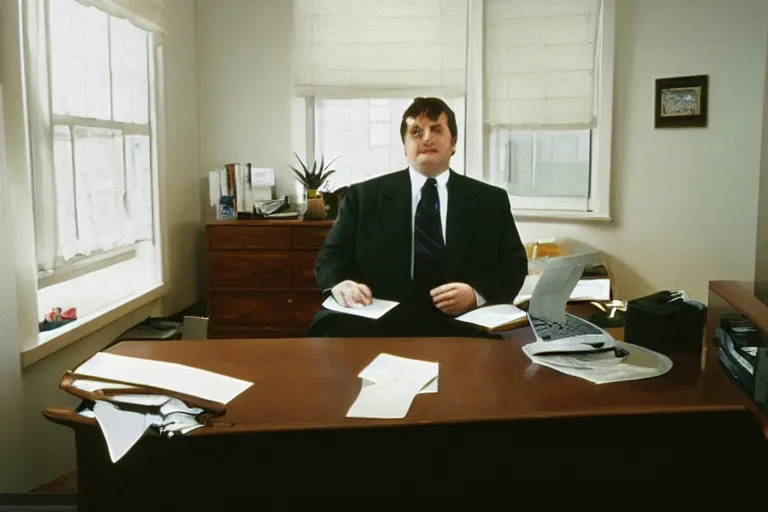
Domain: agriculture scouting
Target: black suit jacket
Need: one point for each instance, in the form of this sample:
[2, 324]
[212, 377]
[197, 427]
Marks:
[371, 240]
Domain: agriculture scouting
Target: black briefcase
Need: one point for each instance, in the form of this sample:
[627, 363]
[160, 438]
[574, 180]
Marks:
[665, 322]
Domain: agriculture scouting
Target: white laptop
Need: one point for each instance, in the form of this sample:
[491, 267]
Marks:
[557, 331]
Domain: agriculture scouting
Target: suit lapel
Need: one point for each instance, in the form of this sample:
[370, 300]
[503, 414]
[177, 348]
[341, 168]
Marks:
[461, 214]
[395, 214]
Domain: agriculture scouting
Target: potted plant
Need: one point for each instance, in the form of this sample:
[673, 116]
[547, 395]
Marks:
[312, 181]
[332, 200]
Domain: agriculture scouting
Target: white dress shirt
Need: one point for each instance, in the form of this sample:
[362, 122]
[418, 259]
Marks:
[417, 181]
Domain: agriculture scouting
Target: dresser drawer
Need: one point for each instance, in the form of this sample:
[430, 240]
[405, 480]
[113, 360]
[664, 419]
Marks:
[247, 237]
[242, 270]
[308, 237]
[264, 309]
[303, 271]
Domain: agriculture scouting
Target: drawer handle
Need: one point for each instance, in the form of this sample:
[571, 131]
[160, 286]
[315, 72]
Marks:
[289, 301]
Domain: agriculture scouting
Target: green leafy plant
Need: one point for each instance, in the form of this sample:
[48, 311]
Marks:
[313, 179]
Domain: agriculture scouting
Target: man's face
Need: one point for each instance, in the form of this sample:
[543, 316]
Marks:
[428, 144]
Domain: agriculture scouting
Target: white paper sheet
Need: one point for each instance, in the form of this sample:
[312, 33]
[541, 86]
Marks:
[121, 429]
[389, 385]
[387, 367]
[586, 289]
[431, 387]
[592, 289]
[175, 405]
[493, 316]
[163, 375]
[385, 400]
[375, 310]
[641, 363]
[95, 385]
[141, 399]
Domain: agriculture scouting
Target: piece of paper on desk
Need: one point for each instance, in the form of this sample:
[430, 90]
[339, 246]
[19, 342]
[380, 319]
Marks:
[641, 363]
[375, 310]
[121, 429]
[163, 375]
[389, 385]
[493, 316]
[585, 289]
[431, 387]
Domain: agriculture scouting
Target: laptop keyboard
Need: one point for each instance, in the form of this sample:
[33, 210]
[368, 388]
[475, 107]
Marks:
[549, 331]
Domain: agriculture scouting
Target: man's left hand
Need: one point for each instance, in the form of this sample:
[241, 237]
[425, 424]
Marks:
[454, 298]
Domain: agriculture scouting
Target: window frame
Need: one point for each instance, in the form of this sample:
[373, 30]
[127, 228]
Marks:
[41, 150]
[479, 133]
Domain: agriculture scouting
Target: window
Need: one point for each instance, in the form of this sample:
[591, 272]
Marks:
[359, 64]
[530, 81]
[365, 136]
[545, 89]
[94, 109]
[540, 167]
[90, 105]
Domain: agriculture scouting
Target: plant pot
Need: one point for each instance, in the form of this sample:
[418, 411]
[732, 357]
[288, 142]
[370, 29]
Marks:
[312, 193]
[332, 201]
[315, 209]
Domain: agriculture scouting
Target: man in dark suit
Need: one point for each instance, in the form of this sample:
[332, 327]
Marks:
[437, 242]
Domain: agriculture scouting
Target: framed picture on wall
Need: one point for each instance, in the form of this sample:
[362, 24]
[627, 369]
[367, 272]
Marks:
[682, 101]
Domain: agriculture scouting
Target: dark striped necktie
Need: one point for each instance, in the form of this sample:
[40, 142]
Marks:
[428, 243]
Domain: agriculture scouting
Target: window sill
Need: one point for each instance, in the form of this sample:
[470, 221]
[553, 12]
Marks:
[52, 341]
[560, 215]
[85, 265]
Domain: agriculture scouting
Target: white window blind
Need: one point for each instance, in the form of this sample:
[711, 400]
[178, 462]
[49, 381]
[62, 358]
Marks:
[380, 49]
[540, 62]
[146, 14]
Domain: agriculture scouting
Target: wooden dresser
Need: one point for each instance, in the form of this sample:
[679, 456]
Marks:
[260, 279]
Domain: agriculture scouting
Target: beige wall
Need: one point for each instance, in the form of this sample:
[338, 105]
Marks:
[245, 80]
[761, 253]
[11, 451]
[39, 450]
[684, 201]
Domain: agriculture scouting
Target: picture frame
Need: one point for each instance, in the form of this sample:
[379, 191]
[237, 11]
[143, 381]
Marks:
[682, 102]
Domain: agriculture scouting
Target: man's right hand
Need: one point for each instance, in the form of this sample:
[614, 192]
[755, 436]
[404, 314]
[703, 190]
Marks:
[348, 293]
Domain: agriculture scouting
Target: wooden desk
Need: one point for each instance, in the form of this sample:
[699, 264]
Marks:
[497, 425]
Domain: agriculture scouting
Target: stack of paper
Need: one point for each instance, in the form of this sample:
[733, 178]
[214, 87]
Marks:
[389, 385]
[605, 367]
[125, 417]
